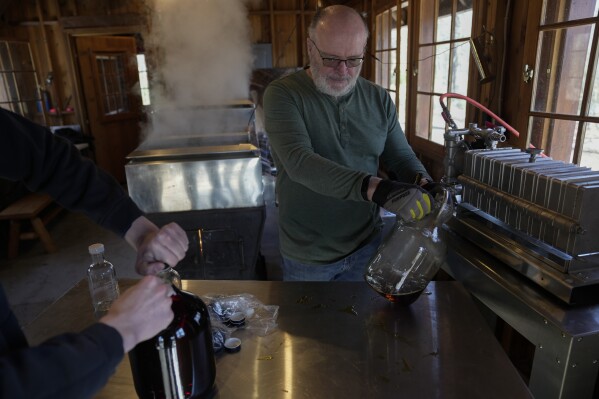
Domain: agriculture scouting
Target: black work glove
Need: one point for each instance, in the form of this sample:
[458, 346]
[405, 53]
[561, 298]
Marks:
[434, 189]
[407, 201]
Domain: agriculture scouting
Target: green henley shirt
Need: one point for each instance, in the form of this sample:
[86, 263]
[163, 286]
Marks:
[323, 147]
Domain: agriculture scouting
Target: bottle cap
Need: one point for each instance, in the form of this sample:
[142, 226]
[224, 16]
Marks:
[96, 248]
[233, 345]
[237, 319]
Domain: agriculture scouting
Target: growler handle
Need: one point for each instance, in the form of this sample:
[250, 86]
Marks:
[444, 205]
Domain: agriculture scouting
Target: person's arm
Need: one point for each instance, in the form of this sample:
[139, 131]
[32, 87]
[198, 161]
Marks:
[43, 162]
[78, 365]
[30, 153]
[66, 366]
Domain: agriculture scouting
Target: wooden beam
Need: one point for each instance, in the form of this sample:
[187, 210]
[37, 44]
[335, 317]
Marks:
[101, 21]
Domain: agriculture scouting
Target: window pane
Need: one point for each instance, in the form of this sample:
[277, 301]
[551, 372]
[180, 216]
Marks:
[403, 74]
[460, 68]
[385, 69]
[21, 57]
[384, 42]
[379, 31]
[141, 62]
[441, 68]
[443, 20]
[438, 122]
[590, 152]
[3, 87]
[562, 67]
[568, 10]
[19, 91]
[393, 38]
[556, 136]
[457, 108]
[145, 96]
[11, 87]
[111, 68]
[143, 80]
[27, 86]
[378, 69]
[425, 69]
[423, 110]
[5, 62]
[594, 103]
[393, 70]
[463, 19]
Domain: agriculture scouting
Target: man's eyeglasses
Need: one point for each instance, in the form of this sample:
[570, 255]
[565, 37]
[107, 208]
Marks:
[334, 62]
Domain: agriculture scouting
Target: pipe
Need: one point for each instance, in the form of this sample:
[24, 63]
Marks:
[447, 116]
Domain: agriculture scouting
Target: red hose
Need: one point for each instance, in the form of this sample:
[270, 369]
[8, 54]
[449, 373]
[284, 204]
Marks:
[481, 107]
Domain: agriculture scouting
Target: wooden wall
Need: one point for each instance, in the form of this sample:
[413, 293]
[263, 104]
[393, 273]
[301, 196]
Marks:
[46, 25]
[50, 24]
[283, 23]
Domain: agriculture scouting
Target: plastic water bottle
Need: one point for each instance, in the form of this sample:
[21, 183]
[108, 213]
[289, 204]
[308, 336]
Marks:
[103, 285]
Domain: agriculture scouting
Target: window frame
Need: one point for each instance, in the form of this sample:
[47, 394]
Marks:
[533, 35]
[379, 60]
[11, 71]
[426, 147]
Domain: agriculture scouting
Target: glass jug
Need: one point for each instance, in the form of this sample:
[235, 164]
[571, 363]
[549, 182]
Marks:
[178, 362]
[411, 254]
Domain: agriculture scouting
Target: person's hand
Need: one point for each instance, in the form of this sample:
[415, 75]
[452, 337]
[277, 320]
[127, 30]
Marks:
[141, 312]
[435, 189]
[407, 201]
[156, 247]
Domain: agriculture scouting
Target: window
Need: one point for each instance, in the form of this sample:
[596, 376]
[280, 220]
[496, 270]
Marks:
[392, 60]
[144, 84]
[442, 64]
[113, 87]
[564, 111]
[19, 88]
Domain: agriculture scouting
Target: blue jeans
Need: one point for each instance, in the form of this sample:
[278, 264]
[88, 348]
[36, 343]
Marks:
[350, 268]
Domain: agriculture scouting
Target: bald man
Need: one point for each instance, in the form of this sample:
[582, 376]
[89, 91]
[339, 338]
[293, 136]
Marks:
[328, 128]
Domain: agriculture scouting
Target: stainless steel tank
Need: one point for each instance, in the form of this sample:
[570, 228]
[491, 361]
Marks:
[210, 182]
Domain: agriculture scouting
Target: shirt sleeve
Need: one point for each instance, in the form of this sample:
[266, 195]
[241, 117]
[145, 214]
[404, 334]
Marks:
[66, 366]
[30, 153]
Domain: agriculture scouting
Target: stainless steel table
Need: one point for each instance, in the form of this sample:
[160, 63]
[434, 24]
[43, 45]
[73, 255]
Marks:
[337, 340]
[566, 358]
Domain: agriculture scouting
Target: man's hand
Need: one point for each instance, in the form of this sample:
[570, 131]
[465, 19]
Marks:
[156, 247]
[141, 312]
[407, 201]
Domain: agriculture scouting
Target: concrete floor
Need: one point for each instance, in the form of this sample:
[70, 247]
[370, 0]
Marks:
[35, 278]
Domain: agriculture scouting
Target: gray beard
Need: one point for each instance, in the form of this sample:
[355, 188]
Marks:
[320, 81]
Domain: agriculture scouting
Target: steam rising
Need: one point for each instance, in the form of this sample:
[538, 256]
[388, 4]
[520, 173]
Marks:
[200, 55]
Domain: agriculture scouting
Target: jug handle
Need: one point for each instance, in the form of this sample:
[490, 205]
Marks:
[444, 202]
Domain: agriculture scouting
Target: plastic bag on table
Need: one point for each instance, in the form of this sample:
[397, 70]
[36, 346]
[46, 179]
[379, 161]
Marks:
[237, 311]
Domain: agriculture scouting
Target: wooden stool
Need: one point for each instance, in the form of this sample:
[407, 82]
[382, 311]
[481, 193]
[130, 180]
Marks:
[31, 207]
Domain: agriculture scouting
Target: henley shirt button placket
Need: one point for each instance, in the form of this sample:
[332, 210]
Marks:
[343, 126]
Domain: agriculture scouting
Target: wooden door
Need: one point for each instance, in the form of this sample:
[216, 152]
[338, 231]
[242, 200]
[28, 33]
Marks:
[108, 70]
